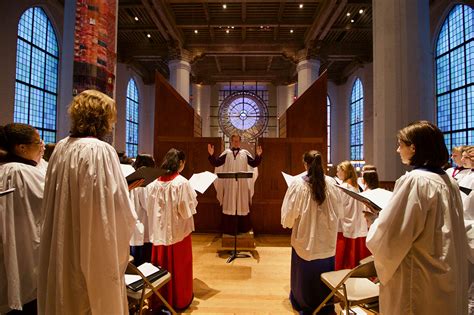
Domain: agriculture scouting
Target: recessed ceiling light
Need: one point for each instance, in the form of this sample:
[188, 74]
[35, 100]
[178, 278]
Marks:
[361, 11]
[196, 31]
[261, 26]
[224, 6]
[136, 18]
[232, 27]
[301, 6]
[352, 21]
[348, 14]
[227, 31]
[291, 31]
[148, 35]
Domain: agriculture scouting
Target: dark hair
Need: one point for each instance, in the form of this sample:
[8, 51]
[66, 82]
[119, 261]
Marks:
[48, 150]
[430, 149]
[14, 134]
[123, 158]
[143, 160]
[171, 160]
[369, 167]
[371, 178]
[316, 175]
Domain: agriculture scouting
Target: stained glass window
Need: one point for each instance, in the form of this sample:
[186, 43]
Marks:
[36, 81]
[455, 77]
[131, 123]
[357, 122]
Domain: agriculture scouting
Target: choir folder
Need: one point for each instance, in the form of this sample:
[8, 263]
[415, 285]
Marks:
[149, 174]
[377, 198]
[151, 272]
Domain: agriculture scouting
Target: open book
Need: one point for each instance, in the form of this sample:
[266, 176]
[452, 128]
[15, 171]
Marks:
[151, 272]
[376, 199]
[149, 174]
[290, 178]
[201, 181]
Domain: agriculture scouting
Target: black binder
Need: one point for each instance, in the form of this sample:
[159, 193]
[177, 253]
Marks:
[147, 173]
[138, 285]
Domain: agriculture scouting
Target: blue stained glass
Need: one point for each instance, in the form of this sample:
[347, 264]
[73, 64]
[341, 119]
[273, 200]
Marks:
[36, 73]
[454, 76]
[131, 122]
[357, 121]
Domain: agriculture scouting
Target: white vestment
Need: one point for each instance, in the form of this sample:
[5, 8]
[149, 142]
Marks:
[420, 247]
[88, 223]
[141, 234]
[20, 231]
[459, 174]
[235, 196]
[468, 199]
[353, 223]
[171, 206]
[314, 226]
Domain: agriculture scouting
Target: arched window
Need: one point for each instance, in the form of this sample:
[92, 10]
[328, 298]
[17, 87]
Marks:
[36, 83]
[357, 122]
[131, 123]
[455, 77]
[329, 128]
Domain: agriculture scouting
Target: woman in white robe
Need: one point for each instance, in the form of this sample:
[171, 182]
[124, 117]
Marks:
[459, 171]
[418, 241]
[88, 218]
[20, 216]
[311, 208]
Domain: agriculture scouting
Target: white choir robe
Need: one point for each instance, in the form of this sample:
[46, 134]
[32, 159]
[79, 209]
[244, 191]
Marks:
[141, 234]
[42, 166]
[468, 200]
[88, 223]
[314, 227]
[235, 196]
[420, 248]
[353, 223]
[459, 174]
[171, 206]
[20, 233]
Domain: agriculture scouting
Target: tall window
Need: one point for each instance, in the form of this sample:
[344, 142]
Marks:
[357, 122]
[455, 77]
[36, 83]
[131, 123]
[329, 128]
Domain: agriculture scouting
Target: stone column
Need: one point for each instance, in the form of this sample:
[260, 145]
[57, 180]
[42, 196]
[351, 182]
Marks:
[308, 71]
[179, 77]
[202, 105]
[403, 76]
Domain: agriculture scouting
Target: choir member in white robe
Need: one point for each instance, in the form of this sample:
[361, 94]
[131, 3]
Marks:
[419, 241]
[468, 182]
[311, 208]
[171, 204]
[352, 229]
[459, 171]
[235, 196]
[20, 216]
[88, 217]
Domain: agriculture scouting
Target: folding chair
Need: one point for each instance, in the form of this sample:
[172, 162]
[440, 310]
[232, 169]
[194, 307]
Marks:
[137, 298]
[352, 286]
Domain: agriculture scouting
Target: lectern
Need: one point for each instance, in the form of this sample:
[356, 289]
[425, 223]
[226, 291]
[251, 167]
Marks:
[237, 176]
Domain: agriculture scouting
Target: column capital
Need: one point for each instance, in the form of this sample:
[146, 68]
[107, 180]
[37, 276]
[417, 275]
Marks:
[308, 64]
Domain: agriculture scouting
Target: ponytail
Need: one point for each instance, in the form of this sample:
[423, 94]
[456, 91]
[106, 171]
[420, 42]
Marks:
[316, 175]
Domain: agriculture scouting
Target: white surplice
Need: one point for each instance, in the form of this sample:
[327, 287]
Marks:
[171, 206]
[88, 222]
[141, 234]
[459, 174]
[235, 196]
[314, 227]
[353, 223]
[20, 231]
[468, 199]
[420, 248]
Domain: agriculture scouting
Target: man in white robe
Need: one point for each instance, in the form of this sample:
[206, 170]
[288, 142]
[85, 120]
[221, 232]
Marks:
[235, 196]
[88, 223]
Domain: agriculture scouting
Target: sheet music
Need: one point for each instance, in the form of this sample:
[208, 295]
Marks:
[6, 192]
[201, 181]
[379, 196]
[129, 279]
[290, 178]
[147, 269]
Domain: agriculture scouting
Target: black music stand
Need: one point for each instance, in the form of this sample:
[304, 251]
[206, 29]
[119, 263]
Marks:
[237, 175]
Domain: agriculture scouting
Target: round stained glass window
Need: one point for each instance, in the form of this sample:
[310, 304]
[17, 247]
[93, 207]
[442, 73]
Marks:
[244, 113]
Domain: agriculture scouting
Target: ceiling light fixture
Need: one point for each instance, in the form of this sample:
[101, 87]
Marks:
[348, 14]
[301, 6]
[196, 31]
[224, 6]
[232, 27]
[227, 31]
[291, 31]
[361, 11]
[352, 21]
[148, 35]
[136, 18]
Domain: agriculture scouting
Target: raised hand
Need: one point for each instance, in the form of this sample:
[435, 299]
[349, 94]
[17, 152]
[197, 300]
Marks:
[210, 149]
[259, 150]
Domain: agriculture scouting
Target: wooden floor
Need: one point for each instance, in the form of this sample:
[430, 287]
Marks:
[256, 285]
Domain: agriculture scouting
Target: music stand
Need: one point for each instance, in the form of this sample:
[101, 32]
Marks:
[236, 175]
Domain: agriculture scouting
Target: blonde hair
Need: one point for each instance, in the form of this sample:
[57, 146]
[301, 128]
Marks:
[92, 113]
[349, 173]
[469, 150]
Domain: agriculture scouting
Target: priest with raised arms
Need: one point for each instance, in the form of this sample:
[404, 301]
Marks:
[84, 248]
[235, 196]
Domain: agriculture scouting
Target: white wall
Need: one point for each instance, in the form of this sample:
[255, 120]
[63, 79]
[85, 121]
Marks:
[146, 94]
